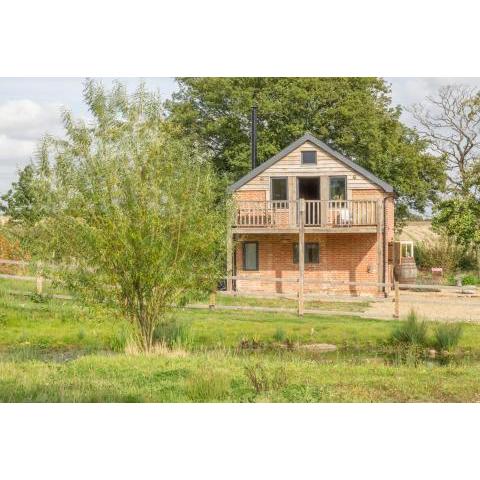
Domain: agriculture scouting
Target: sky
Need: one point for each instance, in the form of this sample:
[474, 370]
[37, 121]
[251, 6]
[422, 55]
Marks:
[30, 107]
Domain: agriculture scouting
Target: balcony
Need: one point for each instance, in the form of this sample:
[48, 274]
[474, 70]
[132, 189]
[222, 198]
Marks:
[320, 216]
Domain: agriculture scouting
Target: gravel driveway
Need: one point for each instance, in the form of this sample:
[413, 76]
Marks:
[445, 305]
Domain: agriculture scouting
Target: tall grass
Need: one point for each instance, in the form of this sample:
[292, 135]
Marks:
[263, 380]
[412, 331]
[207, 387]
[172, 334]
[447, 336]
[279, 335]
[119, 339]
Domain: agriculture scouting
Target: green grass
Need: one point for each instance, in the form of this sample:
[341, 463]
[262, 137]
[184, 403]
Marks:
[52, 325]
[280, 302]
[59, 351]
[30, 287]
[219, 377]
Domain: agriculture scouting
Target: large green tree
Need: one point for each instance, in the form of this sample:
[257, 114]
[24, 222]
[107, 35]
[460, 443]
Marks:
[131, 214]
[353, 115]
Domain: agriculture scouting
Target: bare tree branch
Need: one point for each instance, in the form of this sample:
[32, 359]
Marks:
[450, 122]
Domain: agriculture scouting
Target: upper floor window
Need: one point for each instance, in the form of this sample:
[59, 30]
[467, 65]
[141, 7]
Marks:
[279, 189]
[309, 157]
[338, 188]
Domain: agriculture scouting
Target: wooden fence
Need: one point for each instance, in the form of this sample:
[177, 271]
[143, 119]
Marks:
[38, 279]
[396, 287]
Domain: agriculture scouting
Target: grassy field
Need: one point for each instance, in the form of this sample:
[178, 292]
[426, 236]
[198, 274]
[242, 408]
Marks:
[64, 351]
[29, 286]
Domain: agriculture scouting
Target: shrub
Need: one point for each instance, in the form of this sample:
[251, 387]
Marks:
[442, 252]
[470, 280]
[451, 279]
[412, 331]
[447, 335]
[172, 334]
[279, 335]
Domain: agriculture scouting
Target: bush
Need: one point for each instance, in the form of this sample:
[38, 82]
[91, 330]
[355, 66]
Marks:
[172, 334]
[451, 279]
[470, 280]
[447, 335]
[412, 331]
[442, 252]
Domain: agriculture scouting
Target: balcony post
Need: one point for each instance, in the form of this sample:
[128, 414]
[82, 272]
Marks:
[378, 220]
[229, 250]
[301, 256]
[324, 197]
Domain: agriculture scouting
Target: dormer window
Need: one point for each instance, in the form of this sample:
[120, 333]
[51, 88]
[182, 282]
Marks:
[309, 157]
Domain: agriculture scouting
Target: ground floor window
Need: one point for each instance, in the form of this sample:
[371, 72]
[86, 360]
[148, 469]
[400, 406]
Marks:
[311, 253]
[250, 255]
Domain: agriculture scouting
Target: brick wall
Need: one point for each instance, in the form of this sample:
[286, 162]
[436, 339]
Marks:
[351, 257]
[251, 195]
[389, 213]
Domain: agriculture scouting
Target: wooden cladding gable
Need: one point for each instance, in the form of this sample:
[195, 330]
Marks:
[327, 165]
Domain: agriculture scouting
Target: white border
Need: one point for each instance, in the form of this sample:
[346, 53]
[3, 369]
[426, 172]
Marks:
[211, 442]
[214, 37]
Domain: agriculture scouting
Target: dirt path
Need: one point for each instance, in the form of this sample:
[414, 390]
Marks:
[446, 306]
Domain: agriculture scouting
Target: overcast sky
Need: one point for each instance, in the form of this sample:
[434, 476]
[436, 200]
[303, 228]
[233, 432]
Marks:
[29, 107]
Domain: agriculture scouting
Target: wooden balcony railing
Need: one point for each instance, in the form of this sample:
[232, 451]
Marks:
[318, 213]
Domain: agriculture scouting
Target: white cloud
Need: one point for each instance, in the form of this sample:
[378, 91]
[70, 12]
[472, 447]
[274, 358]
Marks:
[408, 91]
[26, 119]
[14, 150]
[22, 124]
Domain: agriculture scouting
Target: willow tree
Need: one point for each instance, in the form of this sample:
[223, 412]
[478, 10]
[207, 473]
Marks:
[132, 213]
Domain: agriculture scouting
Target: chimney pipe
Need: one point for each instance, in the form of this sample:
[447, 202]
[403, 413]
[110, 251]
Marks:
[253, 136]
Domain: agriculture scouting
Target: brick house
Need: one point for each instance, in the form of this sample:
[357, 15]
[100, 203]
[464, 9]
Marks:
[309, 198]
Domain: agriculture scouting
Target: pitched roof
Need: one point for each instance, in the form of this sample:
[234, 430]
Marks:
[308, 137]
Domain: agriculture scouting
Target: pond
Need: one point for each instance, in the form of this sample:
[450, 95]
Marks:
[409, 355]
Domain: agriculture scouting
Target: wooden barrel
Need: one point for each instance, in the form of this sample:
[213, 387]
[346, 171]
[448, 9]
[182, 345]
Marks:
[406, 272]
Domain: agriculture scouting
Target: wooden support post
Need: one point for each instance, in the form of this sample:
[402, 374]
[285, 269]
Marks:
[324, 197]
[386, 273]
[212, 301]
[292, 195]
[379, 221]
[39, 285]
[229, 260]
[301, 255]
[397, 300]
